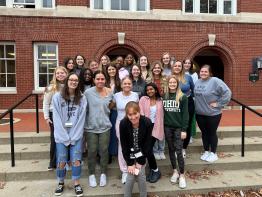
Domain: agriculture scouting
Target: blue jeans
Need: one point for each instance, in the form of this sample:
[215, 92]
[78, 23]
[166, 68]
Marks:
[159, 146]
[62, 157]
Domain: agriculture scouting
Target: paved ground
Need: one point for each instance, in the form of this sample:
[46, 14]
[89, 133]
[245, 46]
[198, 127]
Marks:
[229, 118]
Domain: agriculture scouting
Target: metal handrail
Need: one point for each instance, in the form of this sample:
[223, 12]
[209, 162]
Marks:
[244, 107]
[11, 117]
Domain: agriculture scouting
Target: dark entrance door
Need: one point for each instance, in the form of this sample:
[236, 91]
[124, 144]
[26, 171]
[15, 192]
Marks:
[211, 58]
[121, 51]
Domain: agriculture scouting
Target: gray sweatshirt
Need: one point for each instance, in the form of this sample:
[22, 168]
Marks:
[97, 117]
[76, 114]
[208, 91]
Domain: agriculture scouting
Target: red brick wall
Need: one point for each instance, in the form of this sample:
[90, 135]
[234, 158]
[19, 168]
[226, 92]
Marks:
[154, 37]
[172, 4]
[73, 2]
[250, 6]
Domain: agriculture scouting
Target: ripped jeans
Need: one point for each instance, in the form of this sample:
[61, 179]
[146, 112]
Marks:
[62, 157]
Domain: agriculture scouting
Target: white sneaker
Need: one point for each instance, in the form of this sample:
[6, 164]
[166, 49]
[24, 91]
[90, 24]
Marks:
[212, 157]
[124, 176]
[102, 182]
[157, 156]
[92, 181]
[162, 155]
[191, 140]
[174, 177]
[184, 153]
[182, 182]
[205, 155]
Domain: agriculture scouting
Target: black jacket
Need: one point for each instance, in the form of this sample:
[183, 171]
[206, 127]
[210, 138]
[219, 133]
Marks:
[144, 139]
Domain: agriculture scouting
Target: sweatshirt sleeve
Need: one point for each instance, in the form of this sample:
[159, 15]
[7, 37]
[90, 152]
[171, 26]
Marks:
[124, 143]
[185, 115]
[141, 105]
[224, 92]
[47, 102]
[79, 126]
[192, 86]
[148, 136]
[61, 135]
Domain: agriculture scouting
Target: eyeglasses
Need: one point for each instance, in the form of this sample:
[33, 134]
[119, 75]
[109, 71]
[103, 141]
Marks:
[73, 80]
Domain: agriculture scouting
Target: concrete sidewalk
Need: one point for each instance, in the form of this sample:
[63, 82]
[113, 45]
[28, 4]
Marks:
[27, 121]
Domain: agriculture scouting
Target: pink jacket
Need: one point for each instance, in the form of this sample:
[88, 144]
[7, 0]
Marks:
[158, 130]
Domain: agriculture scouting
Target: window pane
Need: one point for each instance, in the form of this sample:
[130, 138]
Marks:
[141, 5]
[42, 54]
[98, 4]
[50, 77]
[11, 80]
[51, 51]
[189, 6]
[47, 3]
[203, 6]
[10, 51]
[2, 66]
[227, 7]
[29, 1]
[124, 4]
[51, 66]
[115, 4]
[212, 6]
[10, 66]
[19, 1]
[43, 66]
[2, 51]
[2, 2]
[42, 80]
[2, 80]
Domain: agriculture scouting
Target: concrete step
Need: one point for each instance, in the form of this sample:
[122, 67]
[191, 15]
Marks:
[41, 150]
[215, 181]
[37, 169]
[44, 137]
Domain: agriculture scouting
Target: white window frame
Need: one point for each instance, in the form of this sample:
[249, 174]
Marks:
[36, 67]
[38, 4]
[132, 6]
[11, 90]
[220, 8]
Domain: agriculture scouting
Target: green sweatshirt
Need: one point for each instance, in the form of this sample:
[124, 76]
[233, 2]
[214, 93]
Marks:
[175, 114]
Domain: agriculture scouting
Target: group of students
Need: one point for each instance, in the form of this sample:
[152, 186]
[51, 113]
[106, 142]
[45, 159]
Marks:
[130, 109]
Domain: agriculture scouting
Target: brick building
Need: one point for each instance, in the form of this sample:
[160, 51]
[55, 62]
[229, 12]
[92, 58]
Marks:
[36, 35]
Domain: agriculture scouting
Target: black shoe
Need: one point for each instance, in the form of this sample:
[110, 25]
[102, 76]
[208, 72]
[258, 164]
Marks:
[78, 190]
[148, 177]
[59, 190]
[155, 176]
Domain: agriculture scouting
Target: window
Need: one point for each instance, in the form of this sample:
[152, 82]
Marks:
[7, 67]
[24, 4]
[2, 2]
[128, 5]
[98, 4]
[28, 3]
[46, 59]
[119, 4]
[220, 7]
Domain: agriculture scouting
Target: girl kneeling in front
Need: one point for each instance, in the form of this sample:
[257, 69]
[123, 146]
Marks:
[135, 138]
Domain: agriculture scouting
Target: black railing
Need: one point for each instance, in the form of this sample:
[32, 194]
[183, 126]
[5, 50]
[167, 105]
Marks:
[244, 107]
[10, 111]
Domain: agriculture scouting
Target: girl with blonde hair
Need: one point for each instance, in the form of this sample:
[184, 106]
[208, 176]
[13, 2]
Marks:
[59, 76]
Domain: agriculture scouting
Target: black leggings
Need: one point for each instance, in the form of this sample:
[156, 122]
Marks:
[191, 111]
[175, 144]
[151, 158]
[52, 163]
[208, 126]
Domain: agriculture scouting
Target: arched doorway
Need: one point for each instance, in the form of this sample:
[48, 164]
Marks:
[211, 57]
[114, 52]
